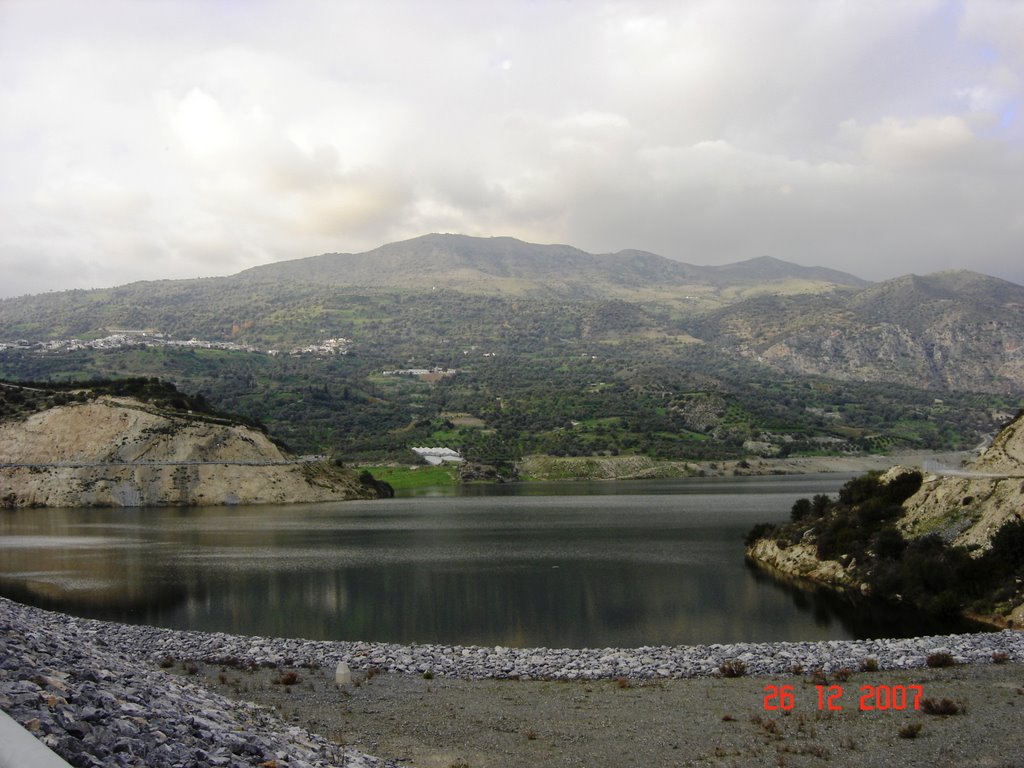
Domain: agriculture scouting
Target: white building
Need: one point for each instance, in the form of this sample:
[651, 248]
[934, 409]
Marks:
[436, 456]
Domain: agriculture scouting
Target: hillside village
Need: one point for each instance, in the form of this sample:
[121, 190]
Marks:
[129, 339]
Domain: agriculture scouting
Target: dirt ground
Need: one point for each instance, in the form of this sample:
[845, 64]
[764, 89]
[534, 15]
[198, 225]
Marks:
[450, 723]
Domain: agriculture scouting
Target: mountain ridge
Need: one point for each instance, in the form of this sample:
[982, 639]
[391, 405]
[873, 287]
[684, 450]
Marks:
[507, 264]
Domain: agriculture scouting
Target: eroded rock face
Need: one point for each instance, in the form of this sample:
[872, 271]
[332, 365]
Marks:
[965, 510]
[801, 560]
[121, 452]
[969, 510]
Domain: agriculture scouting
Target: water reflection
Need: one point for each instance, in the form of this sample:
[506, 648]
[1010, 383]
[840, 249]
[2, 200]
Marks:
[592, 568]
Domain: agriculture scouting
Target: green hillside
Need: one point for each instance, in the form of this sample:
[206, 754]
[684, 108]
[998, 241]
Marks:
[615, 355]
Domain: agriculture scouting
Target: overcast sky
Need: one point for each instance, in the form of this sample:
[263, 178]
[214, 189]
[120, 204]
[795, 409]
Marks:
[177, 138]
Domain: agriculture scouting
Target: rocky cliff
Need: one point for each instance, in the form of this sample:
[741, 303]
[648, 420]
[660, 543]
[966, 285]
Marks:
[954, 542]
[969, 509]
[115, 451]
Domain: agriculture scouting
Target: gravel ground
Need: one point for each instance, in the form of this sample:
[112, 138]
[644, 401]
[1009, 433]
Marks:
[440, 723]
[102, 693]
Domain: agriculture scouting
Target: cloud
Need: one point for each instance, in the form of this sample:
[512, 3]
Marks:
[176, 139]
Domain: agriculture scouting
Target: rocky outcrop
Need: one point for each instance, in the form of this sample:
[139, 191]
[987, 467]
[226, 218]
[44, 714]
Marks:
[969, 509]
[801, 561]
[964, 508]
[122, 452]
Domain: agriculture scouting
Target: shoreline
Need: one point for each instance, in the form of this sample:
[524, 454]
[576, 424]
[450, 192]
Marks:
[58, 672]
[598, 468]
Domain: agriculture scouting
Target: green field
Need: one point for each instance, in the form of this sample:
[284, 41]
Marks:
[401, 478]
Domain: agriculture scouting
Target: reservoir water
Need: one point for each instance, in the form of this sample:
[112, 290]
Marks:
[560, 565]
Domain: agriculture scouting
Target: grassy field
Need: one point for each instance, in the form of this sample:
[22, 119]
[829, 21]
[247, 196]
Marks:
[401, 478]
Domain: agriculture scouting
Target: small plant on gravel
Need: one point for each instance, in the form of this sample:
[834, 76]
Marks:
[531, 734]
[1000, 657]
[428, 675]
[842, 675]
[192, 669]
[623, 682]
[818, 677]
[869, 664]
[910, 731]
[943, 707]
[287, 678]
[940, 659]
[167, 662]
[797, 669]
[733, 668]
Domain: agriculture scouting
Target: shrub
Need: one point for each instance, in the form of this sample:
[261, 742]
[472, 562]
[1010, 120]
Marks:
[733, 668]
[759, 531]
[889, 543]
[820, 504]
[1007, 550]
[870, 664]
[902, 487]
[801, 510]
[940, 659]
[943, 707]
[859, 489]
[910, 731]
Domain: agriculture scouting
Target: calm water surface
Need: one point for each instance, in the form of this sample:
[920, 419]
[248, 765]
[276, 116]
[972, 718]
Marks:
[565, 565]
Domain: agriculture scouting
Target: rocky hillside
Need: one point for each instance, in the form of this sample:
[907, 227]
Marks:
[951, 542]
[950, 330]
[118, 451]
[969, 509]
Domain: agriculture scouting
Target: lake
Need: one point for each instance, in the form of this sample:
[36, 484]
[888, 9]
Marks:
[554, 564]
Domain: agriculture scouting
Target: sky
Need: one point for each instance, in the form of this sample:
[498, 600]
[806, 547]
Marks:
[155, 139]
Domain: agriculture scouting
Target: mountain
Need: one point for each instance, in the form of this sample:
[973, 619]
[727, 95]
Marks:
[766, 268]
[554, 350]
[263, 301]
[509, 266]
[949, 330]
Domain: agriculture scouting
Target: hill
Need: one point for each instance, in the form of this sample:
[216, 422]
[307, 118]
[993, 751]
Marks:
[951, 542]
[92, 449]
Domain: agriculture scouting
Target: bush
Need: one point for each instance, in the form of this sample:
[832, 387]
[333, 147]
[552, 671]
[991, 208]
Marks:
[943, 707]
[889, 543]
[902, 487]
[733, 668]
[801, 510]
[859, 489]
[759, 531]
[910, 731]
[820, 504]
[940, 659]
[1007, 552]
